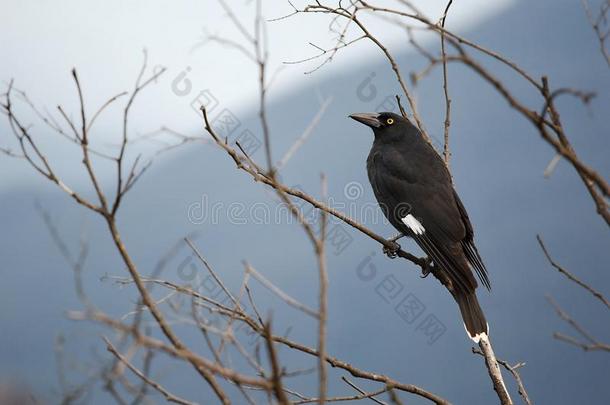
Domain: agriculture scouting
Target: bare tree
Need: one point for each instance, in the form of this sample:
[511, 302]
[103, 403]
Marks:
[265, 376]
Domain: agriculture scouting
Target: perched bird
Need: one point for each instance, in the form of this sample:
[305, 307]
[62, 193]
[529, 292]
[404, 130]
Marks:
[415, 192]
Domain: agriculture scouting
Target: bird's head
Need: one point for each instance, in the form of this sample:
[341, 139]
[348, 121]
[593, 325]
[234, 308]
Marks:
[384, 124]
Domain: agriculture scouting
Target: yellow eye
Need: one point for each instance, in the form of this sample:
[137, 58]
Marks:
[390, 121]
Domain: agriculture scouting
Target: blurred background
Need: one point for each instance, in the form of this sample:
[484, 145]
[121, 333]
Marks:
[498, 163]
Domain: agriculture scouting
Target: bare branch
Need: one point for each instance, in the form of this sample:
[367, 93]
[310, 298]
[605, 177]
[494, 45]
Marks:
[600, 26]
[323, 298]
[514, 372]
[570, 276]
[494, 371]
[276, 376]
[446, 153]
[361, 391]
[305, 135]
[169, 397]
[591, 343]
[281, 294]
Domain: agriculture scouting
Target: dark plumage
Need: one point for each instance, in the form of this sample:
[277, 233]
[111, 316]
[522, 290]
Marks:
[414, 190]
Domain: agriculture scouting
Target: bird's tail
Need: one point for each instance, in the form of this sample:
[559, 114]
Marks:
[474, 320]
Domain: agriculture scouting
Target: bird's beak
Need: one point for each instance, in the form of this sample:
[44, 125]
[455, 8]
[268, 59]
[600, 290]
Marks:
[368, 119]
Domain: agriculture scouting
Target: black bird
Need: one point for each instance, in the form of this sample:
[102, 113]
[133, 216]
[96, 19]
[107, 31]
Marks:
[415, 192]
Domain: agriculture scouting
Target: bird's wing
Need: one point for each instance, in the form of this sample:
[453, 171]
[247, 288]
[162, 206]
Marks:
[435, 220]
[470, 249]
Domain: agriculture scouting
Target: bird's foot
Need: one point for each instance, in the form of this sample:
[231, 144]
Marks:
[392, 250]
[427, 269]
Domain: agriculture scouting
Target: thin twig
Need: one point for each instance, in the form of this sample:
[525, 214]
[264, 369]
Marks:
[592, 344]
[570, 276]
[446, 153]
[281, 294]
[168, 395]
[323, 298]
[276, 376]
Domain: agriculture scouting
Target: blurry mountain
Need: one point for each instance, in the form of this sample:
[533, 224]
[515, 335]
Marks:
[498, 161]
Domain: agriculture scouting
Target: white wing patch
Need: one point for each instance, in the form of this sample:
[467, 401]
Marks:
[413, 224]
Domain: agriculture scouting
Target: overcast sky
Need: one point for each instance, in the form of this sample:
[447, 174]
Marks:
[42, 41]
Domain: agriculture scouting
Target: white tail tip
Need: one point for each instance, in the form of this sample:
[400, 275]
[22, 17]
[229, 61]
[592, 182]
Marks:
[477, 338]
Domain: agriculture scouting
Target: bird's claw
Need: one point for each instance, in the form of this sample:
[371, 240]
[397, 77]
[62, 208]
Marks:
[391, 251]
[427, 269]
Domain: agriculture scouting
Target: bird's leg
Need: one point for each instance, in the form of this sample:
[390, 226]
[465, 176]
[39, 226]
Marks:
[396, 237]
[392, 252]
